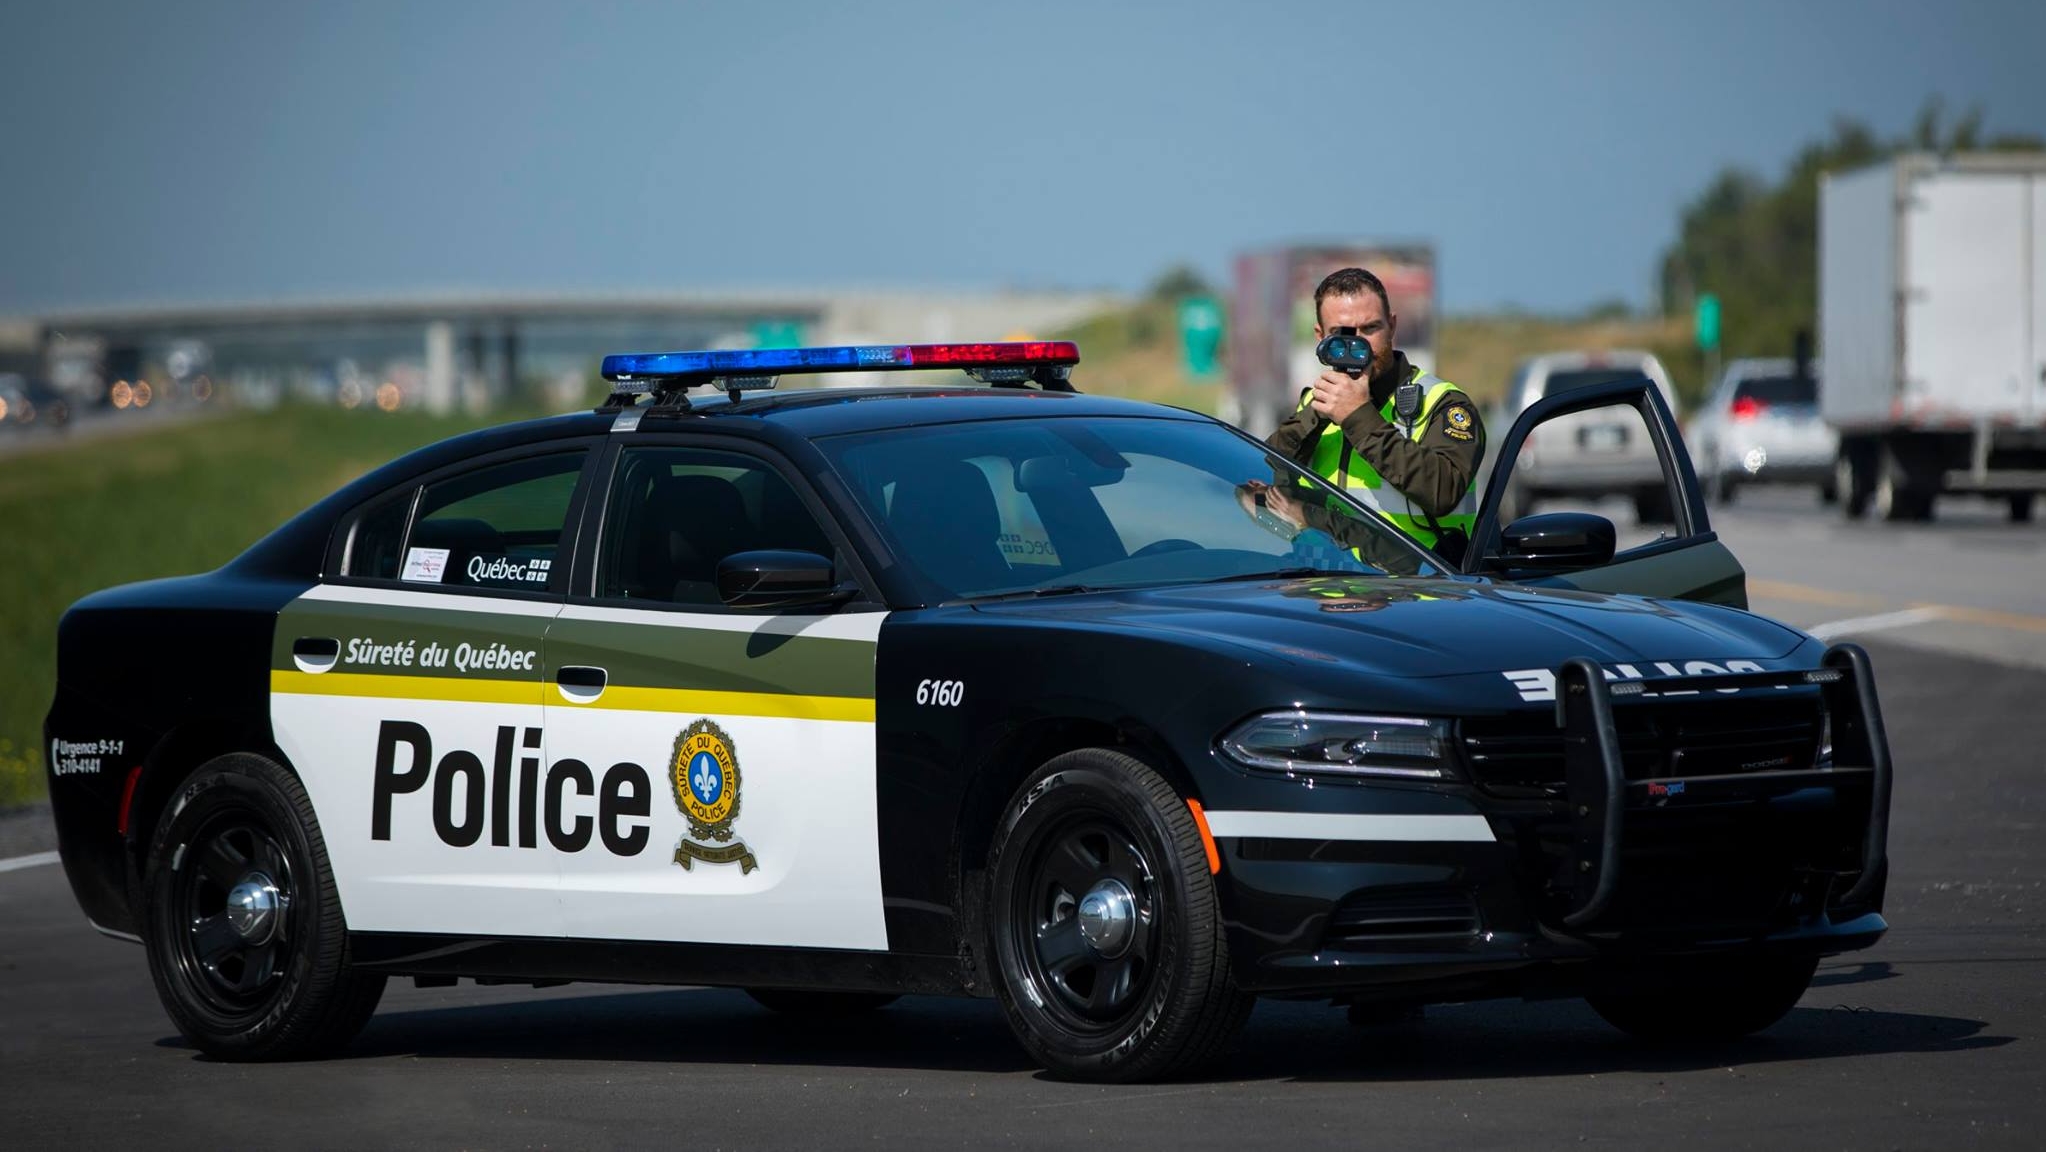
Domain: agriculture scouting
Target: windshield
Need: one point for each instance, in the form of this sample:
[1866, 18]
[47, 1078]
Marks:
[1034, 507]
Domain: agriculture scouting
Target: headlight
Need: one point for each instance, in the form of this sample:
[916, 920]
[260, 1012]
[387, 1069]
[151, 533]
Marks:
[1340, 744]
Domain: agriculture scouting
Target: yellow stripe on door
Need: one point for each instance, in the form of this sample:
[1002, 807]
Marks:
[618, 697]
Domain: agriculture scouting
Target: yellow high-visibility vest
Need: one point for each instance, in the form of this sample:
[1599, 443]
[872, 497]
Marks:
[1340, 465]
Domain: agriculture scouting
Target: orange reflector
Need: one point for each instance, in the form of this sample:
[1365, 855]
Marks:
[128, 799]
[1207, 837]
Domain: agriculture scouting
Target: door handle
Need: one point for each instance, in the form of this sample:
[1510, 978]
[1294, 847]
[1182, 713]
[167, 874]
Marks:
[315, 654]
[580, 683]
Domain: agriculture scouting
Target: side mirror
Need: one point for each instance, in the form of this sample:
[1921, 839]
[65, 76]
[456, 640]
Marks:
[778, 579]
[1557, 542]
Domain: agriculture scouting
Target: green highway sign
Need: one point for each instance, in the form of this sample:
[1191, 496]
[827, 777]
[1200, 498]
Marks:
[1708, 321]
[777, 334]
[1200, 334]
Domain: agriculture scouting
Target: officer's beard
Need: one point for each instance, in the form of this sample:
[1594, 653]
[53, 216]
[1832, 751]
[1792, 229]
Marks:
[1383, 367]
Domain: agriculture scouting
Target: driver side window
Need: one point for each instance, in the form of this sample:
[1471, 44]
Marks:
[675, 513]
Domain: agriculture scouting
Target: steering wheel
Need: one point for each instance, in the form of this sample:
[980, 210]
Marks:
[1160, 547]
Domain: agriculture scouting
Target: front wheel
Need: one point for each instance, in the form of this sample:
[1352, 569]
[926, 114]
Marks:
[1104, 927]
[245, 936]
[1707, 1001]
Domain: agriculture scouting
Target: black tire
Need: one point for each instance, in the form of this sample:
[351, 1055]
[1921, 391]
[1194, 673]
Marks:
[1829, 493]
[280, 987]
[1514, 503]
[2021, 507]
[1151, 999]
[1853, 482]
[1721, 488]
[1651, 506]
[1898, 498]
[814, 1003]
[1721, 999]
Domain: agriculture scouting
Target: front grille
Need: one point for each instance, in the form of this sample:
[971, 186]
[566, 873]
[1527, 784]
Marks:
[1373, 916]
[1686, 737]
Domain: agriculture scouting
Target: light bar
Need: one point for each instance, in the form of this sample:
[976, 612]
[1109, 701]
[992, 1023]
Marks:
[704, 366]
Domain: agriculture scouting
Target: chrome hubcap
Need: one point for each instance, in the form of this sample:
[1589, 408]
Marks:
[1108, 918]
[252, 908]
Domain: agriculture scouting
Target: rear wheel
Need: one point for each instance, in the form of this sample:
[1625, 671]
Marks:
[2021, 507]
[1720, 487]
[1897, 496]
[244, 930]
[1854, 482]
[1104, 927]
[805, 1002]
[1719, 999]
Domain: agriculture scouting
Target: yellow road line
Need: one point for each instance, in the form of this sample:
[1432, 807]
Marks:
[1803, 594]
[1988, 617]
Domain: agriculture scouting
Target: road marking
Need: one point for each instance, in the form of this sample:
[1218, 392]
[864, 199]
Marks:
[1993, 619]
[1805, 594]
[1877, 623]
[35, 861]
[1778, 590]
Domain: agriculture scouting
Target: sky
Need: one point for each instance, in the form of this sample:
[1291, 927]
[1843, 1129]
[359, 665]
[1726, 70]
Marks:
[199, 152]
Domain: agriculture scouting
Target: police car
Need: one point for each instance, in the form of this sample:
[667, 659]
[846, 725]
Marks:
[985, 688]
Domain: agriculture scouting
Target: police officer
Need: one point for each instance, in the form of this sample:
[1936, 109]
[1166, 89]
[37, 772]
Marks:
[1411, 453]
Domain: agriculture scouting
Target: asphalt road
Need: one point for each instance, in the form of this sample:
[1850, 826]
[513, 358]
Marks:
[1932, 1038]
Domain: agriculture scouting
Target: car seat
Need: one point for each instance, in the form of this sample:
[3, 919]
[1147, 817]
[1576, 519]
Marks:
[943, 517]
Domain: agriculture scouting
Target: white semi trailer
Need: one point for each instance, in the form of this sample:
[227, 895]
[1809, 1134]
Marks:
[1932, 327]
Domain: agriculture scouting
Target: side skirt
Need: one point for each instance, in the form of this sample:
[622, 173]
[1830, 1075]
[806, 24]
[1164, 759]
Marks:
[655, 962]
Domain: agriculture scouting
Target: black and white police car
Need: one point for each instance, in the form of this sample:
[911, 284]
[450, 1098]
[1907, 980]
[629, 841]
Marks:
[840, 694]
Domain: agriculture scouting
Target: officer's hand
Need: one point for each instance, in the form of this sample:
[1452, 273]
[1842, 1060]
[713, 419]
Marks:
[1257, 494]
[1336, 396]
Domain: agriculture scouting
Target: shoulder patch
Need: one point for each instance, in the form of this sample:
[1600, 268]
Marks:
[1456, 422]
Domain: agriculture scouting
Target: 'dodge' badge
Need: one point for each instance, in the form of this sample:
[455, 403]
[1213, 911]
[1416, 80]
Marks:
[705, 774]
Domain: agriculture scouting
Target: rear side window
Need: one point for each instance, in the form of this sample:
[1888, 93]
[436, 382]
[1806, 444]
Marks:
[497, 527]
[379, 541]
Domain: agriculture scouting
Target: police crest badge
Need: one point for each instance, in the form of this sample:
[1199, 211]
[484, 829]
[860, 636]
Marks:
[705, 773]
[1459, 423]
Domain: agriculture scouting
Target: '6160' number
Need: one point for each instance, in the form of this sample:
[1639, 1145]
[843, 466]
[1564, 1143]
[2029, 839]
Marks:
[943, 693]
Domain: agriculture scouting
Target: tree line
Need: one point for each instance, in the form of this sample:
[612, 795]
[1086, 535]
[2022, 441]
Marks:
[1754, 244]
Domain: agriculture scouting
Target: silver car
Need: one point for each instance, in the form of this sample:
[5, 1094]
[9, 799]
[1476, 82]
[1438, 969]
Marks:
[1761, 425]
[1587, 455]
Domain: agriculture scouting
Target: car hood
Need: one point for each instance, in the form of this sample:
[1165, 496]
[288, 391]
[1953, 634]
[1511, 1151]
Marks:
[1406, 627]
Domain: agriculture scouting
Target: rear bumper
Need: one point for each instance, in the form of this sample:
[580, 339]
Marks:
[1612, 877]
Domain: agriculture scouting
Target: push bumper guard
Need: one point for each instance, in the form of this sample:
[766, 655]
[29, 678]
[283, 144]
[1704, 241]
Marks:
[1597, 785]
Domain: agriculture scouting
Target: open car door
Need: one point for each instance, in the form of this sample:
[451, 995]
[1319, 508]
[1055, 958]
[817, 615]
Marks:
[1674, 553]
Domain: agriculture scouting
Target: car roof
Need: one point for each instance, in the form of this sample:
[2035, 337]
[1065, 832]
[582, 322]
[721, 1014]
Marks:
[1751, 366]
[1571, 361]
[815, 412]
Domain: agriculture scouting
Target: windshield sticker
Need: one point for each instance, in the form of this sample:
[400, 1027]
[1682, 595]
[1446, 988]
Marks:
[424, 565]
[507, 570]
